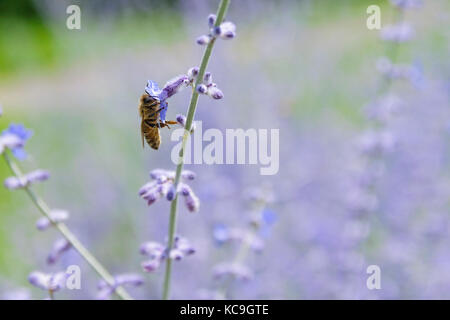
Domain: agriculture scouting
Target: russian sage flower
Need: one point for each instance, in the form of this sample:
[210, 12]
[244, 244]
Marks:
[170, 88]
[48, 281]
[226, 30]
[106, 290]
[162, 186]
[181, 119]
[14, 183]
[401, 32]
[56, 215]
[209, 88]
[59, 247]
[407, 4]
[157, 253]
[236, 271]
[14, 138]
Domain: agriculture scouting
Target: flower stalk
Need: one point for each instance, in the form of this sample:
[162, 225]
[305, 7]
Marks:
[65, 231]
[223, 6]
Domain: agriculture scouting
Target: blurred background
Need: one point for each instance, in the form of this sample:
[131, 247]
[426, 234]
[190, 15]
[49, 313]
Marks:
[342, 199]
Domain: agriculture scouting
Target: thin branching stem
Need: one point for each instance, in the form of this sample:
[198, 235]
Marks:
[223, 6]
[65, 231]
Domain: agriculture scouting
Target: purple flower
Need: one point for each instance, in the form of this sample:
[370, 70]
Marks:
[203, 40]
[211, 20]
[13, 183]
[170, 88]
[209, 88]
[20, 132]
[59, 247]
[226, 30]
[129, 279]
[56, 215]
[47, 281]
[397, 33]
[407, 4]
[38, 175]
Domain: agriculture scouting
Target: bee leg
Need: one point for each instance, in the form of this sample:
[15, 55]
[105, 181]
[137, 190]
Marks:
[166, 124]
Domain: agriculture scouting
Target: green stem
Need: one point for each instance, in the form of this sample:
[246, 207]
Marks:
[223, 6]
[65, 231]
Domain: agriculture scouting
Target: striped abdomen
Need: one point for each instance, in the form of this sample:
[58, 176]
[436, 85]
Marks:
[149, 112]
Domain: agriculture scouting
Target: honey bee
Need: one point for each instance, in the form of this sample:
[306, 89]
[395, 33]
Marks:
[149, 110]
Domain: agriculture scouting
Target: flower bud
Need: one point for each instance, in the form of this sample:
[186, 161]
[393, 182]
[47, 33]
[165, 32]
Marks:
[11, 141]
[38, 175]
[14, 183]
[226, 30]
[56, 215]
[215, 93]
[192, 73]
[188, 175]
[59, 247]
[176, 254]
[203, 40]
[128, 279]
[211, 20]
[150, 265]
[201, 88]
[170, 193]
[192, 202]
[207, 79]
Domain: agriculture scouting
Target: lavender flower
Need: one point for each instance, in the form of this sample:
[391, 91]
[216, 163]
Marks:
[169, 89]
[157, 253]
[56, 216]
[226, 30]
[106, 290]
[181, 119]
[14, 183]
[237, 271]
[162, 186]
[209, 88]
[16, 144]
[192, 74]
[48, 281]
[397, 33]
[407, 4]
[59, 247]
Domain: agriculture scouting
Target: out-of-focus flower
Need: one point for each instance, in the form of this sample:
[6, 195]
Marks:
[157, 253]
[237, 271]
[407, 4]
[401, 32]
[399, 71]
[384, 108]
[56, 215]
[48, 281]
[129, 279]
[377, 142]
[14, 183]
[204, 40]
[211, 20]
[59, 247]
[14, 138]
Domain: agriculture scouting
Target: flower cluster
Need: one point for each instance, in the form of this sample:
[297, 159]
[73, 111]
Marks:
[162, 185]
[226, 30]
[401, 32]
[157, 252]
[234, 270]
[209, 88]
[14, 138]
[399, 71]
[106, 290]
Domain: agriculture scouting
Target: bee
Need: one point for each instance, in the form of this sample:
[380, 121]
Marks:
[149, 110]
